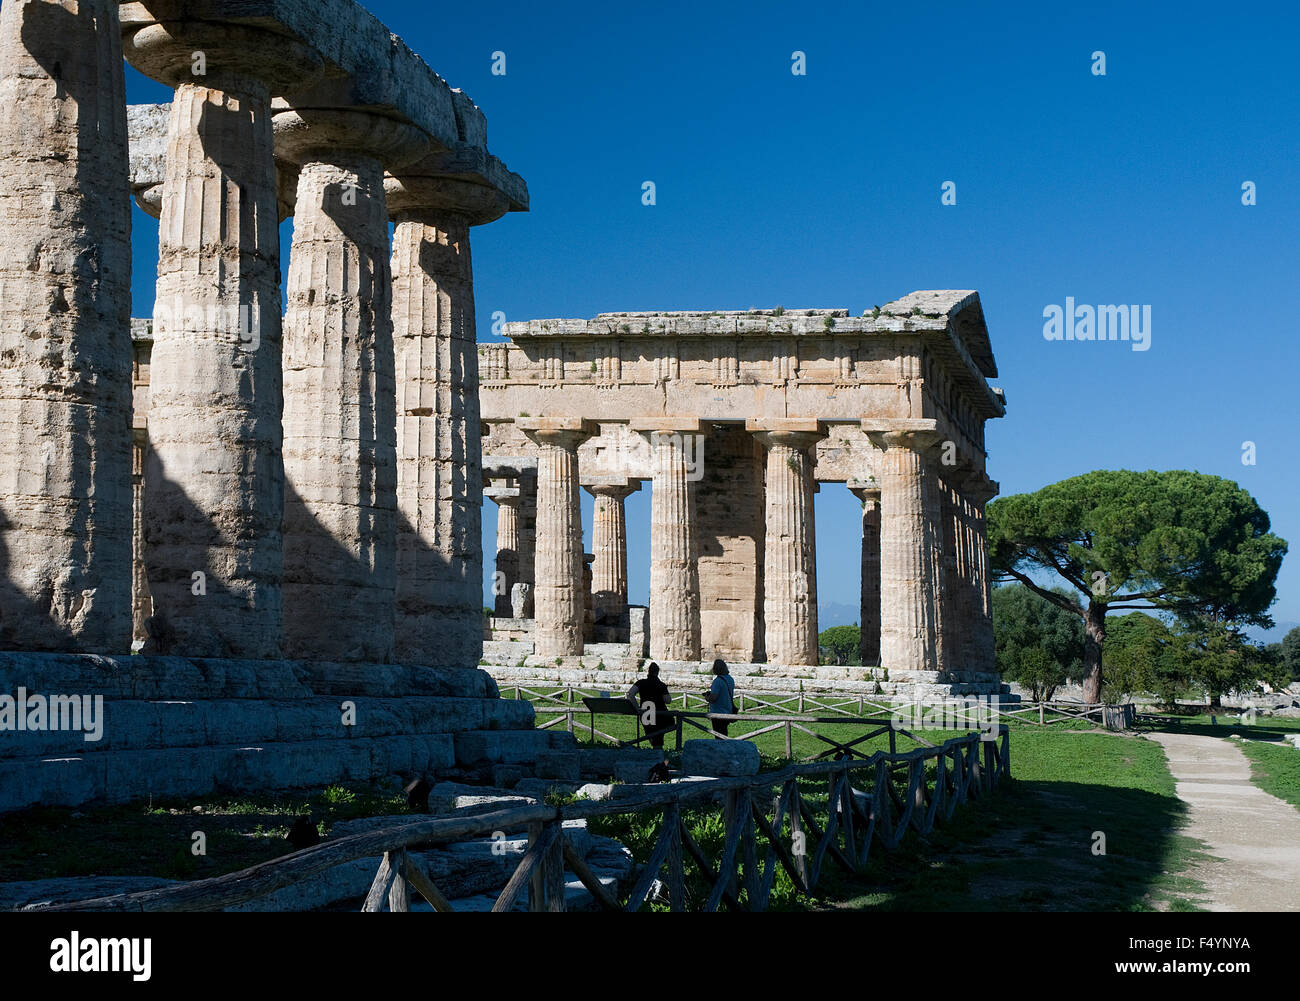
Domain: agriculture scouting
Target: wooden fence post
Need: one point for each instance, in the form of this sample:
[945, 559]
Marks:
[537, 880]
[553, 872]
[798, 839]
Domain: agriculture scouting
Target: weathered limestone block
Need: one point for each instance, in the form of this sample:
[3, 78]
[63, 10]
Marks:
[719, 757]
[65, 351]
[790, 552]
[151, 677]
[521, 601]
[558, 593]
[391, 680]
[508, 746]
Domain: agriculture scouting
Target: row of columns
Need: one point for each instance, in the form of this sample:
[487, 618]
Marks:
[926, 598]
[790, 592]
[295, 503]
[925, 584]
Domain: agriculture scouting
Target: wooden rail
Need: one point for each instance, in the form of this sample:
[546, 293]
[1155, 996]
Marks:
[548, 700]
[900, 792]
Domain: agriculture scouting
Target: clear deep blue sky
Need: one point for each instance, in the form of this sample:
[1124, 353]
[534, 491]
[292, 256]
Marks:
[824, 190]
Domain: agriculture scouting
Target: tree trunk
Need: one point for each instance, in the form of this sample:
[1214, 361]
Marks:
[1094, 635]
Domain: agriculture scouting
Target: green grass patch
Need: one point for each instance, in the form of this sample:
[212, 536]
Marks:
[155, 839]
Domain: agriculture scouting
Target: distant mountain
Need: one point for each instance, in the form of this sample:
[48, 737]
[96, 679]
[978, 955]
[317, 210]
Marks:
[831, 614]
[1273, 635]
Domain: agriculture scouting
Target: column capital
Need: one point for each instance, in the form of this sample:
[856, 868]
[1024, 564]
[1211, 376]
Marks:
[464, 180]
[979, 488]
[917, 435]
[308, 135]
[605, 487]
[798, 433]
[559, 432]
[236, 53]
[504, 495]
[867, 491]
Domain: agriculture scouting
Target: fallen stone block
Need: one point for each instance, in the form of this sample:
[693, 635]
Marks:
[720, 757]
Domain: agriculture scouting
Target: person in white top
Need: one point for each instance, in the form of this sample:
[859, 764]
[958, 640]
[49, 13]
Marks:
[721, 695]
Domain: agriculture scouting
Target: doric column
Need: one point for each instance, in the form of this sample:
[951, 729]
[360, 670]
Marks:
[674, 575]
[65, 343]
[980, 489]
[558, 603]
[933, 487]
[508, 501]
[439, 456]
[949, 594]
[790, 550]
[339, 407]
[609, 546]
[907, 619]
[869, 494]
[961, 577]
[214, 476]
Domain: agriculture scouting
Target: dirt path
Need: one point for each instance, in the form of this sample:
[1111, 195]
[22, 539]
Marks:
[1257, 835]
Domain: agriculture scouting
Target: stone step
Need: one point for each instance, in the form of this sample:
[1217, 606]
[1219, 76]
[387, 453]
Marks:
[506, 651]
[509, 747]
[113, 777]
[540, 677]
[145, 677]
[135, 725]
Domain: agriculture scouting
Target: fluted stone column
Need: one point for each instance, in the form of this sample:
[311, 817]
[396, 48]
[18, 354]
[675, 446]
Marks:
[907, 620]
[933, 487]
[609, 546]
[508, 500]
[790, 548]
[438, 616]
[214, 478]
[674, 575]
[65, 343]
[962, 579]
[339, 403]
[559, 606]
[950, 613]
[870, 614]
[981, 490]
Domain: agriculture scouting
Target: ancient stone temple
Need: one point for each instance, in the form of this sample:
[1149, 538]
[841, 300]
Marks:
[304, 494]
[734, 420]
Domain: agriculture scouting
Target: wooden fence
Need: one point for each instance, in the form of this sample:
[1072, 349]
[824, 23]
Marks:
[568, 698]
[901, 792]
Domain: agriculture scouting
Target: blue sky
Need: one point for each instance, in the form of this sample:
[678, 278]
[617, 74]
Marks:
[824, 190]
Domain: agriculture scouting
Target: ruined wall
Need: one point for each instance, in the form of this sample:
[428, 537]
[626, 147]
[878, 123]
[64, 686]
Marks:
[729, 509]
